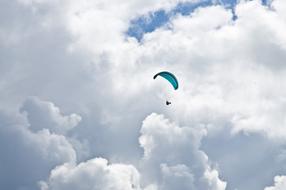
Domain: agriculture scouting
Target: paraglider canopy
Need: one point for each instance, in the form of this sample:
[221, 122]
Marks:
[170, 77]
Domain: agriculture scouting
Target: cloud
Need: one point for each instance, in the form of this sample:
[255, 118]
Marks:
[177, 176]
[239, 157]
[280, 183]
[172, 156]
[45, 115]
[163, 166]
[94, 174]
[27, 156]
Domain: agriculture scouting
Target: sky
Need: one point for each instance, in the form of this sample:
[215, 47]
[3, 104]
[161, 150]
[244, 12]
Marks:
[79, 108]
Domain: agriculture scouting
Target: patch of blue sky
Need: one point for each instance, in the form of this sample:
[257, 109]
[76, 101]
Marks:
[266, 2]
[148, 23]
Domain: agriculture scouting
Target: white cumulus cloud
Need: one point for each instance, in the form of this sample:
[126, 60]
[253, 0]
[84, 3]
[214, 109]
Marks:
[280, 183]
[45, 115]
[29, 155]
[173, 157]
[94, 174]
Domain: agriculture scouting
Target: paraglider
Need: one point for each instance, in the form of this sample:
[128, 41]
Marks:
[167, 102]
[169, 77]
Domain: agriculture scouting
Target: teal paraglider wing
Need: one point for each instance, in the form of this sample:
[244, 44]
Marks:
[170, 77]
